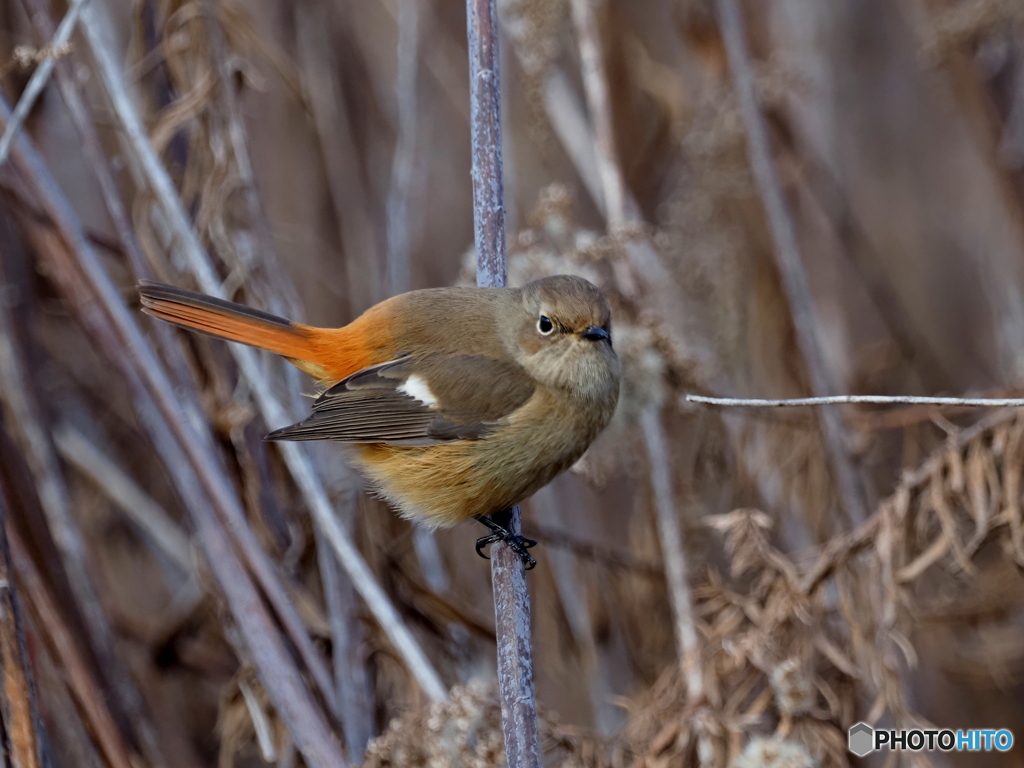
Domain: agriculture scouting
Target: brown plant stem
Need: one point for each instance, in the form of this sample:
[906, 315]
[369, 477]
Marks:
[91, 701]
[403, 164]
[19, 712]
[508, 576]
[788, 260]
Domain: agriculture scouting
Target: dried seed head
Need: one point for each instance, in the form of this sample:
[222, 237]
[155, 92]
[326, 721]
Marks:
[774, 753]
[794, 693]
[464, 731]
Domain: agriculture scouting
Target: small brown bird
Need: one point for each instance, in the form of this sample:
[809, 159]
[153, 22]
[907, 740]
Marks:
[459, 402]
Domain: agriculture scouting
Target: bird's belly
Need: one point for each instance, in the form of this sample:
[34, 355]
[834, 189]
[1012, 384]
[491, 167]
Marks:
[441, 485]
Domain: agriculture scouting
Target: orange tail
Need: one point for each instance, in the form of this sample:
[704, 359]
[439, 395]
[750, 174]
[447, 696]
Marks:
[303, 345]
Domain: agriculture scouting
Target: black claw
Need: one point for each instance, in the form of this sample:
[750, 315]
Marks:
[484, 541]
[498, 533]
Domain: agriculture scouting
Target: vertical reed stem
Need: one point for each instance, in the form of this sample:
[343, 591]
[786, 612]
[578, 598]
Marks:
[511, 599]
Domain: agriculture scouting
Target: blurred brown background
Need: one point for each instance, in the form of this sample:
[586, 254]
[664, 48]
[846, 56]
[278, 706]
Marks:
[318, 157]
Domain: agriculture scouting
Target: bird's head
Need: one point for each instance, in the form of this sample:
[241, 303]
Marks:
[563, 337]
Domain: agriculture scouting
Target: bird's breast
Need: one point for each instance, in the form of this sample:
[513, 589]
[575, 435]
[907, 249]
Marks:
[445, 483]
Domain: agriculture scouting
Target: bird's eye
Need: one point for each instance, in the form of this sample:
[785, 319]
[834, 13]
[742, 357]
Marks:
[545, 326]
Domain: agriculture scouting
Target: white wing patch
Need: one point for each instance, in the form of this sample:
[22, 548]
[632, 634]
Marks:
[416, 387]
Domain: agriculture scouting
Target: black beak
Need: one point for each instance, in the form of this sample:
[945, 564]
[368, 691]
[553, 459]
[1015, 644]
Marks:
[593, 333]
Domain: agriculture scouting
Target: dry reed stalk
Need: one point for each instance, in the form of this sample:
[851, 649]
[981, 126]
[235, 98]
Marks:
[39, 78]
[816, 183]
[353, 698]
[351, 676]
[443, 58]
[158, 530]
[19, 712]
[595, 83]
[620, 212]
[788, 260]
[508, 574]
[87, 692]
[75, 269]
[257, 218]
[561, 103]
[670, 537]
[972, 402]
[274, 413]
[641, 271]
[403, 164]
[39, 15]
[977, 102]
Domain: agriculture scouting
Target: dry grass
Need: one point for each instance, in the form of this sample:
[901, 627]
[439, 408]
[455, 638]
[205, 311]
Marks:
[895, 132]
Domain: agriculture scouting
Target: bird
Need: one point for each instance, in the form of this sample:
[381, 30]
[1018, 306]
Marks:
[457, 403]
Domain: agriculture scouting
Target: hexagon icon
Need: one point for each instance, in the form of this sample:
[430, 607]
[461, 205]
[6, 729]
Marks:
[861, 739]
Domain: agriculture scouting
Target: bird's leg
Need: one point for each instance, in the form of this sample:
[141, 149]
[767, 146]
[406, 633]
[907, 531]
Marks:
[498, 523]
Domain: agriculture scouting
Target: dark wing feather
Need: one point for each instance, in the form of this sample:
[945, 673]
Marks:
[472, 394]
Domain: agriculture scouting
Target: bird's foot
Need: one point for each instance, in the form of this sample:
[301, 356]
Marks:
[499, 532]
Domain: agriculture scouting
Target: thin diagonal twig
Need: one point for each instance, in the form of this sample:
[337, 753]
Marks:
[38, 12]
[971, 402]
[239, 528]
[39, 77]
[112, 200]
